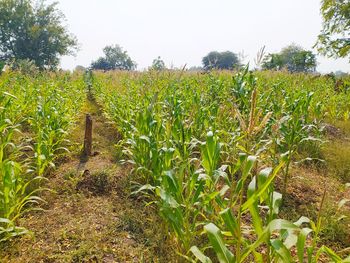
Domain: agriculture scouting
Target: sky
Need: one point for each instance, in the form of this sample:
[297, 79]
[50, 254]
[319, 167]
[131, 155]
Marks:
[184, 31]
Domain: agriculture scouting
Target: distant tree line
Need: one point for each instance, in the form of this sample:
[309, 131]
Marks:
[158, 64]
[292, 58]
[115, 58]
[33, 33]
[221, 60]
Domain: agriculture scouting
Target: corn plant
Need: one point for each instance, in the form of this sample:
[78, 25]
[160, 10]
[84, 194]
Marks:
[14, 197]
[206, 149]
[274, 238]
[33, 127]
[294, 129]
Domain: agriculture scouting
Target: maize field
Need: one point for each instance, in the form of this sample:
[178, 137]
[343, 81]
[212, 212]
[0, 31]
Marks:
[211, 152]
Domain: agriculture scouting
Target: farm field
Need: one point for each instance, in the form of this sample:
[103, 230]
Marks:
[186, 167]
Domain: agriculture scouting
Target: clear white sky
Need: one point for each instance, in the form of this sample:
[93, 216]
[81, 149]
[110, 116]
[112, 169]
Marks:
[183, 31]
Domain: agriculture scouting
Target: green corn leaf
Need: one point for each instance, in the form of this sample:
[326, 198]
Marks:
[199, 255]
[249, 165]
[253, 208]
[301, 243]
[274, 225]
[282, 251]
[230, 222]
[224, 255]
[251, 200]
[172, 182]
[329, 252]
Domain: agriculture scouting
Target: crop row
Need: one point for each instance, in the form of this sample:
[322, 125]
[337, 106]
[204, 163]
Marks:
[35, 115]
[208, 150]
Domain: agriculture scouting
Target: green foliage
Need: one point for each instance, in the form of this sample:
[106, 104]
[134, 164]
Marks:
[220, 60]
[158, 64]
[334, 38]
[293, 58]
[25, 66]
[33, 32]
[33, 127]
[206, 152]
[2, 65]
[115, 58]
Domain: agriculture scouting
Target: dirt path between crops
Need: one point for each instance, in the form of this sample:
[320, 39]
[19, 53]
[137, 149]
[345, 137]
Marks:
[89, 216]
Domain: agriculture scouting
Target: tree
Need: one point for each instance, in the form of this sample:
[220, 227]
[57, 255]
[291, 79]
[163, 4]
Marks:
[2, 65]
[34, 32]
[293, 58]
[334, 39]
[195, 68]
[115, 58]
[158, 64]
[80, 68]
[220, 60]
[272, 61]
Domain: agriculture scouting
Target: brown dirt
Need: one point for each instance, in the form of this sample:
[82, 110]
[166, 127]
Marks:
[88, 215]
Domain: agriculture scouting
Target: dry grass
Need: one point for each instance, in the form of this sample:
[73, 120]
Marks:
[337, 156]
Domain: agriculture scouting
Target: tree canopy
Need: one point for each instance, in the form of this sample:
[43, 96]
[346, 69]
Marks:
[158, 64]
[334, 38]
[220, 60]
[115, 58]
[2, 65]
[293, 58]
[35, 32]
